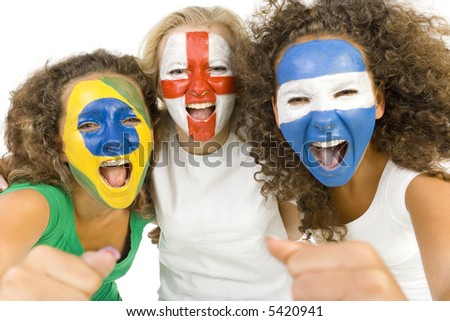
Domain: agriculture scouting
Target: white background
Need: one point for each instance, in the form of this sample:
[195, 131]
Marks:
[33, 32]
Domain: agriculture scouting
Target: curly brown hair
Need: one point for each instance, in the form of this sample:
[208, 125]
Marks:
[407, 55]
[32, 135]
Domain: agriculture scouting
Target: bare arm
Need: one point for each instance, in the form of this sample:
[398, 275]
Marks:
[47, 273]
[428, 202]
[43, 272]
[352, 270]
[24, 216]
[336, 271]
[291, 219]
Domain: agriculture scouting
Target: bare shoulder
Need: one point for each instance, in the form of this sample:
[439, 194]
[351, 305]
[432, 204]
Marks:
[425, 190]
[428, 203]
[24, 216]
[427, 200]
[24, 199]
[24, 205]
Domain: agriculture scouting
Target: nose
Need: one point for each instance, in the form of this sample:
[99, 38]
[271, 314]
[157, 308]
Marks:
[199, 86]
[199, 93]
[323, 121]
[116, 143]
[112, 148]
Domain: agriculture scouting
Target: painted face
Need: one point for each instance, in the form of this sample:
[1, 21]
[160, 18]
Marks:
[326, 107]
[107, 139]
[197, 82]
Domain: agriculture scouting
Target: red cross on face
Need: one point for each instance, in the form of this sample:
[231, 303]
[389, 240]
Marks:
[201, 84]
[197, 82]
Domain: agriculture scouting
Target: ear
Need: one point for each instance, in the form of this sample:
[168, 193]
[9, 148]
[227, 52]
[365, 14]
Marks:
[380, 101]
[275, 111]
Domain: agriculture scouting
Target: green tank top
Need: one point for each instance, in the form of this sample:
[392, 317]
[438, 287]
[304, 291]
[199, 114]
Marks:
[60, 233]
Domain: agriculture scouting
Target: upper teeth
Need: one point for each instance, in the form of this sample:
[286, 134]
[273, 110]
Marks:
[200, 106]
[115, 162]
[327, 144]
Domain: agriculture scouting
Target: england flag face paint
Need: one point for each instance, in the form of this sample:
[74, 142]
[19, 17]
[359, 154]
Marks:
[326, 107]
[197, 82]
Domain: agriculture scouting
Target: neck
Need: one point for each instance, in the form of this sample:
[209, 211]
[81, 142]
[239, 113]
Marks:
[97, 225]
[354, 198]
[203, 148]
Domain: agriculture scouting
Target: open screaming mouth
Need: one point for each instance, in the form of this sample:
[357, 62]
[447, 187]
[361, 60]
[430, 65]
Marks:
[202, 111]
[116, 173]
[329, 154]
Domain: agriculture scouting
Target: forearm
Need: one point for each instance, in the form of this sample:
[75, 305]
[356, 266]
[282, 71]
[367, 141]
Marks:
[291, 220]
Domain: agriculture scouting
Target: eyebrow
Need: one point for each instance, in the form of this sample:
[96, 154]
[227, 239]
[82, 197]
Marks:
[220, 61]
[347, 83]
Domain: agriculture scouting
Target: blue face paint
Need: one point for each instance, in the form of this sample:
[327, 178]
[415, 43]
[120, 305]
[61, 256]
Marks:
[301, 133]
[326, 107]
[319, 58]
[106, 137]
[112, 138]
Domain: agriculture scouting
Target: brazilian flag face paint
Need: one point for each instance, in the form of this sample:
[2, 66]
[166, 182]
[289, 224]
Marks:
[108, 139]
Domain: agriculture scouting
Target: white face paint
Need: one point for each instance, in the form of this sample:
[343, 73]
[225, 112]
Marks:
[198, 82]
[326, 107]
[298, 98]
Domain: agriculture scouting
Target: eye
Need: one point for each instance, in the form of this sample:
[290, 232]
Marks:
[345, 92]
[88, 127]
[218, 69]
[176, 72]
[298, 101]
[131, 121]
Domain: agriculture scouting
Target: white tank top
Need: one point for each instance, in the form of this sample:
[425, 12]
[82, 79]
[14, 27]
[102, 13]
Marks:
[387, 226]
[213, 222]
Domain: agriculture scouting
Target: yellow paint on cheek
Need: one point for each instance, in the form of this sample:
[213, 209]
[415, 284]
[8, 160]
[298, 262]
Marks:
[86, 164]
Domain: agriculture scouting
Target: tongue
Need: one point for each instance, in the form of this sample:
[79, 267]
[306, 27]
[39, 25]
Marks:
[200, 114]
[330, 157]
[115, 176]
[327, 157]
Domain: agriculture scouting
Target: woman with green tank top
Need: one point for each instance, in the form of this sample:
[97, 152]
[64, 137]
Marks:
[80, 138]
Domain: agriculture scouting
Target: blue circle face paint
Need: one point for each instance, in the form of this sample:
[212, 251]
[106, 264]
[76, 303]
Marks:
[326, 107]
[107, 138]
[113, 137]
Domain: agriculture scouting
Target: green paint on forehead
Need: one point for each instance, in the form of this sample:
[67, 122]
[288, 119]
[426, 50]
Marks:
[129, 91]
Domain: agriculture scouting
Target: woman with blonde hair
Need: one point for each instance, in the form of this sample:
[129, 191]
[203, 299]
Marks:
[212, 217]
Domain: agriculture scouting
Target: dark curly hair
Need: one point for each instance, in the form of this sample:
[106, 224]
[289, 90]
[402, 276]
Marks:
[407, 55]
[32, 135]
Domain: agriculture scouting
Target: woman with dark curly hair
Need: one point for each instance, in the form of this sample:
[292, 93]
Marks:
[80, 139]
[349, 105]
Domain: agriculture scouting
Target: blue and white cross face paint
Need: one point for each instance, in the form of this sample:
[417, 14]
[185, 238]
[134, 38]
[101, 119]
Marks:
[326, 107]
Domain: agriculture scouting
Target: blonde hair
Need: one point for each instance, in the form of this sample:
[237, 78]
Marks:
[196, 16]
